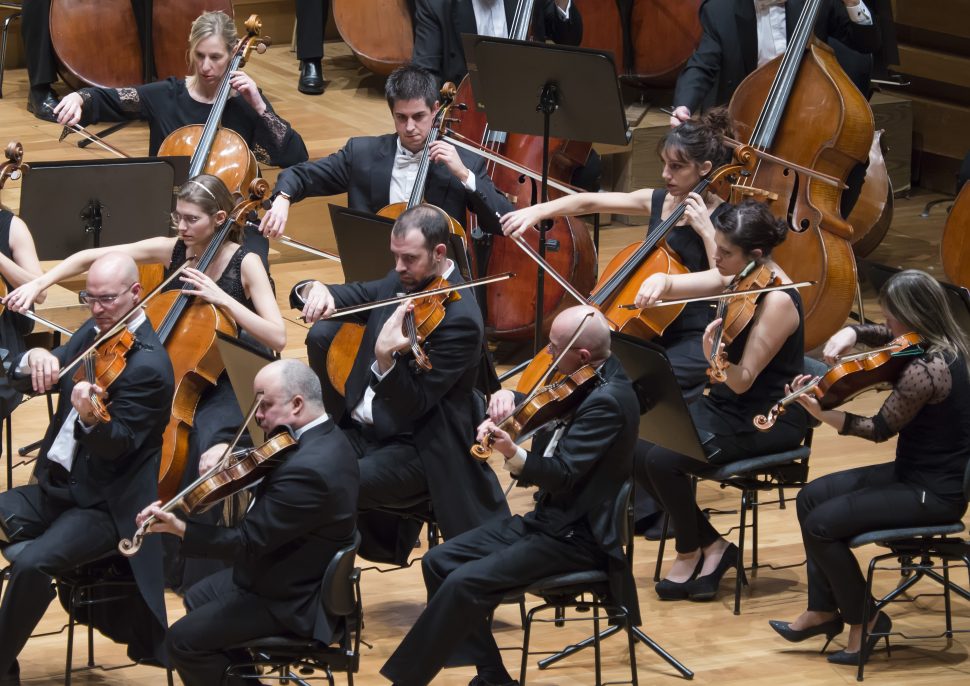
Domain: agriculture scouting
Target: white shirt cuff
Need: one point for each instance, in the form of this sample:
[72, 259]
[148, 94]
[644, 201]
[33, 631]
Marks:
[515, 463]
[564, 13]
[23, 366]
[469, 182]
[377, 374]
[860, 14]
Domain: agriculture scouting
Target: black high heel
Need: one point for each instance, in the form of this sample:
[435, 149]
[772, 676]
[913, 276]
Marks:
[677, 590]
[705, 587]
[830, 629]
[880, 629]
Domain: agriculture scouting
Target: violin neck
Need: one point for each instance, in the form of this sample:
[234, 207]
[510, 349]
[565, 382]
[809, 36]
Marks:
[201, 156]
[768, 122]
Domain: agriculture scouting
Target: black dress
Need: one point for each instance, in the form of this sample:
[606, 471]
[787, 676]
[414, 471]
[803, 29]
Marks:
[167, 105]
[13, 327]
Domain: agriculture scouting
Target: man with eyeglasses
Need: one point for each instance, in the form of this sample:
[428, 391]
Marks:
[92, 476]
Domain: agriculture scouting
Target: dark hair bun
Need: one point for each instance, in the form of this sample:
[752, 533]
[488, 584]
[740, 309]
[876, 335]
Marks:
[718, 122]
[751, 226]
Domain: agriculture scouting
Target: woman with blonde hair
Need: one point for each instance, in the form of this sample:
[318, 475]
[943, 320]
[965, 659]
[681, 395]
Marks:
[929, 410]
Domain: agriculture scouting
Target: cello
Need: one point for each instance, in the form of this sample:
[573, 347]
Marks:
[380, 32]
[802, 107]
[954, 246]
[187, 327]
[235, 164]
[510, 312]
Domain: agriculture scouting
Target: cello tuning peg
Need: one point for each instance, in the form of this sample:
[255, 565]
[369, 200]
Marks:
[261, 46]
[462, 106]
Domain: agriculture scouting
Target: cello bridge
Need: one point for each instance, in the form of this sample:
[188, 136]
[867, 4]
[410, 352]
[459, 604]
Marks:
[739, 192]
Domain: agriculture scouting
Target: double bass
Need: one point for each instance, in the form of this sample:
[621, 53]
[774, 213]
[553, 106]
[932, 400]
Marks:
[510, 311]
[380, 32]
[802, 107]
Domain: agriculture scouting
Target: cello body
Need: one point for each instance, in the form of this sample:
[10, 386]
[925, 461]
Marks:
[171, 24]
[380, 32]
[824, 124]
[955, 244]
[230, 157]
[105, 63]
[873, 211]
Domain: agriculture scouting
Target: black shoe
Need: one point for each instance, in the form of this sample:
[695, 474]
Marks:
[882, 626]
[705, 587]
[311, 77]
[479, 681]
[41, 103]
[677, 590]
[830, 629]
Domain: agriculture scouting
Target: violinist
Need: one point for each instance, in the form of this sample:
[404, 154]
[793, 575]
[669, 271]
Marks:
[761, 358]
[375, 171]
[438, 25]
[579, 468]
[740, 35]
[929, 410]
[169, 104]
[411, 428]
[304, 511]
[92, 477]
[18, 264]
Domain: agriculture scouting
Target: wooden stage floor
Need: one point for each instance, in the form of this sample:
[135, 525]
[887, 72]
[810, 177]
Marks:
[721, 648]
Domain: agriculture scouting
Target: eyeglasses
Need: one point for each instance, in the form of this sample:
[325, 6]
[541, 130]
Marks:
[189, 219]
[86, 298]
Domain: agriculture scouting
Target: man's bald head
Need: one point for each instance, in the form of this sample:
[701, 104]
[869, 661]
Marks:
[113, 269]
[594, 338]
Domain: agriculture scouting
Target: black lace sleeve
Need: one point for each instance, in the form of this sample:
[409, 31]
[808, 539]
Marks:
[925, 381]
[275, 142]
[872, 335]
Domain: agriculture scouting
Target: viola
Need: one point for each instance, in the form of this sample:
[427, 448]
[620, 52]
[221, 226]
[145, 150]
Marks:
[235, 471]
[213, 149]
[103, 365]
[776, 108]
[736, 313]
[851, 376]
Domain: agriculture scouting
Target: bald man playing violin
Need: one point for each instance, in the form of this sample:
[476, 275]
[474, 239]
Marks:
[92, 476]
[411, 427]
[303, 513]
[579, 467]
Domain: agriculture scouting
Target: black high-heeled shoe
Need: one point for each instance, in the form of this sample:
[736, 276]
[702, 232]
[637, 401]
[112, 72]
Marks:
[705, 587]
[830, 629]
[880, 629]
[677, 590]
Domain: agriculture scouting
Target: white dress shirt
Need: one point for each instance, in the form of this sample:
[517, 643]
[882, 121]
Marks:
[772, 34]
[309, 425]
[405, 172]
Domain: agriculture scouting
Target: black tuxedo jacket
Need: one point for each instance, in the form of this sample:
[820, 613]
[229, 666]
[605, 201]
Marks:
[362, 169]
[580, 481]
[117, 462]
[437, 408]
[728, 50]
[305, 510]
[438, 25]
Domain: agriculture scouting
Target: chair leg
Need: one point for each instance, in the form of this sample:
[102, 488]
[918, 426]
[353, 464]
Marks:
[946, 598]
[7, 421]
[633, 652]
[3, 47]
[754, 532]
[597, 666]
[526, 635]
[70, 636]
[740, 570]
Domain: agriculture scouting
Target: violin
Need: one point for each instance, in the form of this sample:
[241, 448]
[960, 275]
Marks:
[103, 365]
[736, 313]
[235, 471]
[213, 149]
[851, 376]
[428, 312]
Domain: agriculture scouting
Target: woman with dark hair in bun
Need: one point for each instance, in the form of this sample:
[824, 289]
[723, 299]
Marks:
[762, 359]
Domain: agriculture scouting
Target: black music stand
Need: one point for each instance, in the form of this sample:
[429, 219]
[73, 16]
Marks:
[71, 206]
[243, 361]
[357, 233]
[523, 84]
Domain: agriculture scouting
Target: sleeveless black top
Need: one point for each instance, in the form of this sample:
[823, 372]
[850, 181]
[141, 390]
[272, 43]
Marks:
[724, 412]
[13, 327]
[689, 247]
[230, 280]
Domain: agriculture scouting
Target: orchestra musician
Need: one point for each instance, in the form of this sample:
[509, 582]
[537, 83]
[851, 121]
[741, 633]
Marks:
[740, 35]
[438, 25]
[579, 469]
[929, 410]
[762, 359]
[375, 171]
[35, 30]
[172, 103]
[18, 265]
[235, 281]
[304, 511]
[92, 477]
[410, 427]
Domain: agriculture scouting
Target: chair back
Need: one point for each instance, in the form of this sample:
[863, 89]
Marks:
[622, 514]
[966, 482]
[338, 587]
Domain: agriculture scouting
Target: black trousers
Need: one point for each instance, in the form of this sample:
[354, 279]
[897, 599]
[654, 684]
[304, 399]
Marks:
[466, 578]
[220, 614]
[62, 537]
[839, 506]
[667, 476]
[35, 29]
[311, 20]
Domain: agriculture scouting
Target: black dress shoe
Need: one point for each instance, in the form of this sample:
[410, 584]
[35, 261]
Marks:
[882, 626]
[705, 587]
[41, 103]
[479, 681]
[830, 629]
[311, 77]
[677, 590]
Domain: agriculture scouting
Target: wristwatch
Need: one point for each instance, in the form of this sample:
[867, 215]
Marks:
[281, 194]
